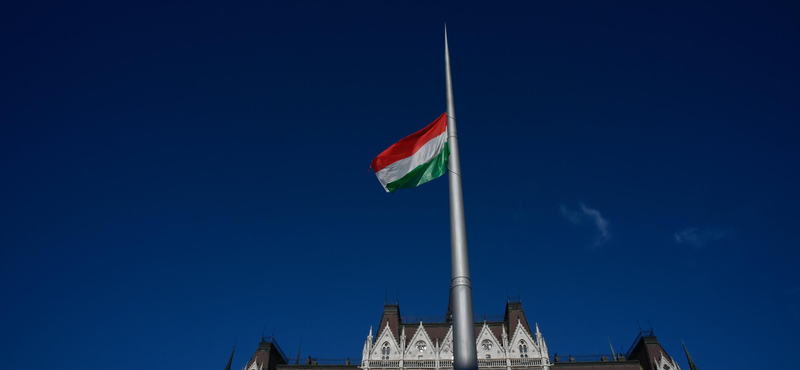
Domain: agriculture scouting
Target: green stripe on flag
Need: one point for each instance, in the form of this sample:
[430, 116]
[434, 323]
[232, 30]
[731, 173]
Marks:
[423, 173]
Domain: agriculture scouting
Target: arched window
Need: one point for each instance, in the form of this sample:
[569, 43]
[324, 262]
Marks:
[523, 349]
[488, 356]
[486, 345]
[385, 351]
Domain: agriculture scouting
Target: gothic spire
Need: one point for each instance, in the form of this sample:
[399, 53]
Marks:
[613, 355]
[297, 361]
[692, 365]
[230, 360]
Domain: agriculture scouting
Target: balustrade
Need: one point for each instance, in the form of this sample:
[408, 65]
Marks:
[489, 363]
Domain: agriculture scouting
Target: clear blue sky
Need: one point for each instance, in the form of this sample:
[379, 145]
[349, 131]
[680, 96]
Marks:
[177, 176]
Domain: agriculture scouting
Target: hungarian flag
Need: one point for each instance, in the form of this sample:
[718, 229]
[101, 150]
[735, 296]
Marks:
[415, 160]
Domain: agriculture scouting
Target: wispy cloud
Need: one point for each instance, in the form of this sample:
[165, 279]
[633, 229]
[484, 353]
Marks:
[697, 237]
[570, 215]
[587, 214]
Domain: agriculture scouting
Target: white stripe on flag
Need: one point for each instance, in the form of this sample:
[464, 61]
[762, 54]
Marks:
[397, 170]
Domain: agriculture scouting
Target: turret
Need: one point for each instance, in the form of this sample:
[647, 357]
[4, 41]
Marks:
[403, 339]
[540, 341]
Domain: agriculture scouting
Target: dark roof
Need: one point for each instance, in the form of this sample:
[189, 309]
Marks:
[391, 315]
[268, 352]
[514, 314]
[609, 365]
[646, 349]
[437, 330]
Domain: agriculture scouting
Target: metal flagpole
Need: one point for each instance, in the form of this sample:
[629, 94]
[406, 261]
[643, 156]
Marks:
[465, 356]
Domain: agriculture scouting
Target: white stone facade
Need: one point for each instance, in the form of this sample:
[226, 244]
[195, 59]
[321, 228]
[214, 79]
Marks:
[523, 351]
[255, 366]
[666, 363]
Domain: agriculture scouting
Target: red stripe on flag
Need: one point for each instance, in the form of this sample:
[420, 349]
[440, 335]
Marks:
[410, 144]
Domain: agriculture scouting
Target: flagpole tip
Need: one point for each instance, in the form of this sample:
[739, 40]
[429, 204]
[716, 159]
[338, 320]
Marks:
[446, 48]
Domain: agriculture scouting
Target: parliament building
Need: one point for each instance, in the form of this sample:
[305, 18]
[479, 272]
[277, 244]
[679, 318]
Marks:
[507, 342]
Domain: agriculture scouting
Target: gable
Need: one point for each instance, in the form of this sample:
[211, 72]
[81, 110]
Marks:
[386, 338]
[488, 344]
[426, 347]
[519, 337]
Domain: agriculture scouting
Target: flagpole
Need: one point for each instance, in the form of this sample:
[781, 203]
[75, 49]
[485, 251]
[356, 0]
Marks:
[465, 355]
